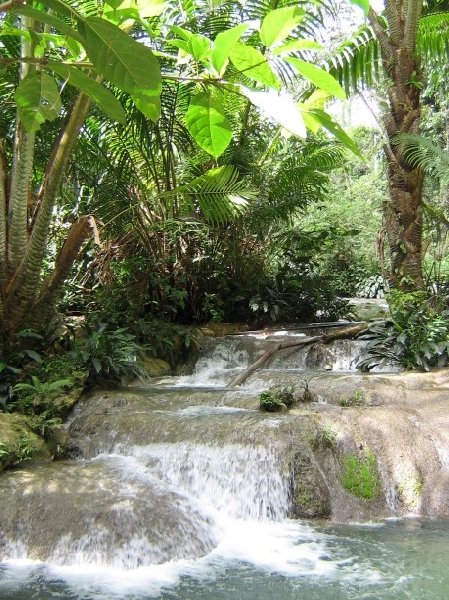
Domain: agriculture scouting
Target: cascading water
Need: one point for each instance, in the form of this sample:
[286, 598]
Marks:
[182, 490]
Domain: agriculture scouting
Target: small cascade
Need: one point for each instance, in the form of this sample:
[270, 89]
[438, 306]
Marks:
[240, 482]
[223, 358]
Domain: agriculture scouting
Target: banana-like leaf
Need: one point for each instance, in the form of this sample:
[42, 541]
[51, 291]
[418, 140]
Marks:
[38, 100]
[279, 23]
[97, 92]
[208, 124]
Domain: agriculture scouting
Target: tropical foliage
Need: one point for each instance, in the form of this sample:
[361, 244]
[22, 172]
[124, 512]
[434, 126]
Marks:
[416, 335]
[173, 79]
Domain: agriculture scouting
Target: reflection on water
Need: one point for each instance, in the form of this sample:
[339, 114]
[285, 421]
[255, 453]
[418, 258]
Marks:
[281, 561]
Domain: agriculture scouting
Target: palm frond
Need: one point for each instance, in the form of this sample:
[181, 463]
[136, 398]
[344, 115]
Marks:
[300, 178]
[356, 64]
[221, 194]
[433, 40]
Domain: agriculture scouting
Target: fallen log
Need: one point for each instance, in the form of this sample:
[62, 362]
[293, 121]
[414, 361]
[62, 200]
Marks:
[325, 338]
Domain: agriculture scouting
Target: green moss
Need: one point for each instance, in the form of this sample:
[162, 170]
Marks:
[325, 437]
[357, 399]
[18, 443]
[360, 475]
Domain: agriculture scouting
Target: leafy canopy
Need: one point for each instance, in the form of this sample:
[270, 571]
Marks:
[131, 46]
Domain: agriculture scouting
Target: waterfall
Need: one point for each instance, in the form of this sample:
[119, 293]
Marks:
[241, 482]
[179, 482]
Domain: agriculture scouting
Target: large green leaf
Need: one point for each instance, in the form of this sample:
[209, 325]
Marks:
[97, 92]
[280, 108]
[48, 19]
[145, 8]
[129, 65]
[279, 23]
[297, 45]
[151, 8]
[150, 106]
[38, 100]
[319, 77]
[223, 44]
[252, 63]
[184, 34]
[326, 121]
[199, 46]
[208, 124]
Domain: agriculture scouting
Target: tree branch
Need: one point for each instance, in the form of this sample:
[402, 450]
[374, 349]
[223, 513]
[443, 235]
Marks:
[414, 9]
[393, 19]
[342, 333]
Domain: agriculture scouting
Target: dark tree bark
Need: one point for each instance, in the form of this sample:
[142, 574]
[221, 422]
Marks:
[403, 209]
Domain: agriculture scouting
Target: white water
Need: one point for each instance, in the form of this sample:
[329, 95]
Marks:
[241, 493]
[225, 358]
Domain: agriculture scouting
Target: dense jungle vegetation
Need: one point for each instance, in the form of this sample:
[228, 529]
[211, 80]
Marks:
[164, 165]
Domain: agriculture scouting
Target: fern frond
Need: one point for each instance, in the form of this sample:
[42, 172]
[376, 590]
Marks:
[421, 153]
[433, 41]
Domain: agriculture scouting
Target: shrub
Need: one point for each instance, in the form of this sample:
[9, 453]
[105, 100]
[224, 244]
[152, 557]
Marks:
[416, 335]
[107, 353]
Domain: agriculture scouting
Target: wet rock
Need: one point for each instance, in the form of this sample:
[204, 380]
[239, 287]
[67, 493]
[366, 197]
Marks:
[310, 494]
[155, 367]
[102, 512]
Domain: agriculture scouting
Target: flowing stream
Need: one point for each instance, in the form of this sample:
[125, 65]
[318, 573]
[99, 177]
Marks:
[181, 490]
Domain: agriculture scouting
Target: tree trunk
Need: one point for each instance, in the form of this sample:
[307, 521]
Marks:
[23, 288]
[404, 223]
[403, 209]
[52, 287]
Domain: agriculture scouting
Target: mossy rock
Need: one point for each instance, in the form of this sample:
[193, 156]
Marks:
[18, 443]
[64, 402]
[156, 367]
[310, 494]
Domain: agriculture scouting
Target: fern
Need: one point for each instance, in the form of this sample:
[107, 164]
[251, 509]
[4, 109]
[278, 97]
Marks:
[421, 152]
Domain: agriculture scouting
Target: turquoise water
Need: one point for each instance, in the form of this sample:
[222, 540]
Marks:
[400, 560]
